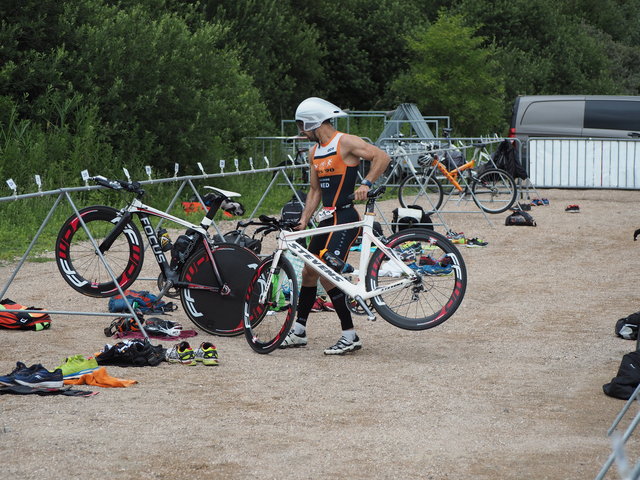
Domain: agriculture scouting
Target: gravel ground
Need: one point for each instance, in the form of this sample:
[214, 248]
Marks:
[509, 388]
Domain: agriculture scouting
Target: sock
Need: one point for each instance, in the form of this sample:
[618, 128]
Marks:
[305, 301]
[349, 334]
[344, 314]
[299, 328]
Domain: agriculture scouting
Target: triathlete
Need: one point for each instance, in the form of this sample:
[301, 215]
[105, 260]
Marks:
[334, 164]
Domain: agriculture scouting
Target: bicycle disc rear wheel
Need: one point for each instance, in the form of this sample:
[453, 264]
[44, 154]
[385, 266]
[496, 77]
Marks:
[494, 190]
[214, 312]
[439, 284]
[81, 266]
[422, 190]
[267, 323]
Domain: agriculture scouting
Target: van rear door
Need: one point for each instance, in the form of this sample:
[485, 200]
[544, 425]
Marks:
[612, 118]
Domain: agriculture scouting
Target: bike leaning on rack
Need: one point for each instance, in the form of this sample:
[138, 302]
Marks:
[210, 278]
[415, 279]
[492, 189]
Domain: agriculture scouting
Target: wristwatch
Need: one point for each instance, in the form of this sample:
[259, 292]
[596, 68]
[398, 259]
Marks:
[367, 183]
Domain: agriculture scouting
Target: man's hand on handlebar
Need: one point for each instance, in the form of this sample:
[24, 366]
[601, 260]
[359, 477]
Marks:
[361, 193]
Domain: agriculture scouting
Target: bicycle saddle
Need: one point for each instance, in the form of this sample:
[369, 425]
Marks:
[226, 193]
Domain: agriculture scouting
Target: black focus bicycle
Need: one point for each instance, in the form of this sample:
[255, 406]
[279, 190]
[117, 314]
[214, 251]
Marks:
[208, 276]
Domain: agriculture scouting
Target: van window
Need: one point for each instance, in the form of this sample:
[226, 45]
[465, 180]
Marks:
[556, 113]
[608, 115]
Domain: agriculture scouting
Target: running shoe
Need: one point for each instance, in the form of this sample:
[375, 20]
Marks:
[76, 366]
[343, 346]
[318, 305]
[40, 378]
[408, 250]
[328, 307]
[207, 354]
[181, 353]
[21, 368]
[456, 237]
[476, 242]
[427, 260]
[572, 209]
[435, 269]
[294, 340]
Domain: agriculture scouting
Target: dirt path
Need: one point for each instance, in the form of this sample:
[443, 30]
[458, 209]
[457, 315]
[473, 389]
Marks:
[509, 388]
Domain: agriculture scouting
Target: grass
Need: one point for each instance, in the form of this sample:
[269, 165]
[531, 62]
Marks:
[22, 218]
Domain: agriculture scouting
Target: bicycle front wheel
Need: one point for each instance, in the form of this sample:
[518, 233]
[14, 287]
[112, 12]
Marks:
[218, 313]
[270, 305]
[422, 190]
[494, 190]
[436, 289]
[81, 266]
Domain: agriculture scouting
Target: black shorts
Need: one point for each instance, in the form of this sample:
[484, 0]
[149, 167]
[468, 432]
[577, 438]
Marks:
[340, 242]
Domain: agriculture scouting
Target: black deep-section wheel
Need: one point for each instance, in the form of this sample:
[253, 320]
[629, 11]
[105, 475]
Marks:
[438, 285]
[80, 264]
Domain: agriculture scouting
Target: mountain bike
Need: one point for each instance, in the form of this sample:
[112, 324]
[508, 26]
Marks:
[492, 189]
[415, 279]
[209, 277]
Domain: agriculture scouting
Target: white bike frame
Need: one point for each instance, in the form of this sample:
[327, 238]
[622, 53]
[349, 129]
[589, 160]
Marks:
[287, 241]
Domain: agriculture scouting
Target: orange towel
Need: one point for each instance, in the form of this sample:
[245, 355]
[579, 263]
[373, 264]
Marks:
[99, 378]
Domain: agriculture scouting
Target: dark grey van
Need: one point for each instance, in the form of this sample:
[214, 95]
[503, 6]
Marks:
[596, 116]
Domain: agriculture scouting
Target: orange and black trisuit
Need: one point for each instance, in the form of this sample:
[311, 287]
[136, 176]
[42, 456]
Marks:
[337, 182]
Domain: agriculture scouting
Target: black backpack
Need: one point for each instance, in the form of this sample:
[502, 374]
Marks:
[627, 327]
[411, 216]
[292, 210]
[520, 218]
[506, 158]
[626, 381]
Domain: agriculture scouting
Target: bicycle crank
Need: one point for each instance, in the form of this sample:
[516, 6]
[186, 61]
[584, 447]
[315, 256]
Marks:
[170, 290]
[367, 311]
[355, 308]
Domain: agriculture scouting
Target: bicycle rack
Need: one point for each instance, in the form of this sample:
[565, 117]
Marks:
[66, 194]
[618, 442]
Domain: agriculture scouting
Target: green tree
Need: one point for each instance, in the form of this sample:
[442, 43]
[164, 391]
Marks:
[281, 53]
[453, 73]
[165, 90]
[31, 60]
[365, 46]
[544, 47]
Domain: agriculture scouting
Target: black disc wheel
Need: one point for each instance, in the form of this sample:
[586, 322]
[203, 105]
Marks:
[217, 312]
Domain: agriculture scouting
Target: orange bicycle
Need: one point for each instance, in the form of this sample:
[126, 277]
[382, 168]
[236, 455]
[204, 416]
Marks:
[492, 189]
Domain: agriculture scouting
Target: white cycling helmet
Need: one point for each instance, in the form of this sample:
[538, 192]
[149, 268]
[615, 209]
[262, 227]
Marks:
[160, 326]
[313, 111]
